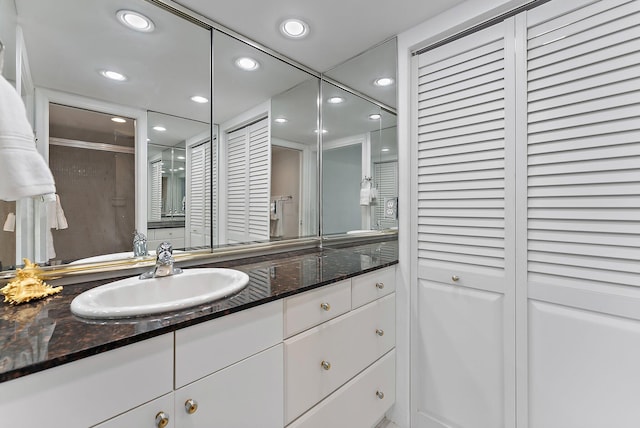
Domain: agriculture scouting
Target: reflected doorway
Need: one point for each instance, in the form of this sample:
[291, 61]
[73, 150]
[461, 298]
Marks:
[286, 167]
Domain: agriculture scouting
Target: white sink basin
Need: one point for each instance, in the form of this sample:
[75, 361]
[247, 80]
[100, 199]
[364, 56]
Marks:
[135, 297]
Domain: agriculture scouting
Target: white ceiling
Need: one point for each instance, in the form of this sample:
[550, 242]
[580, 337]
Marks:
[339, 29]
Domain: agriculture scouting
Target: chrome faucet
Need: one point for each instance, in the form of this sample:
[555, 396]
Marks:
[139, 245]
[164, 263]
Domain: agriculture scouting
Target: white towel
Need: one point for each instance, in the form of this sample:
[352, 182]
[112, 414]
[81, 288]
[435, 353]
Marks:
[10, 223]
[365, 196]
[23, 172]
[55, 214]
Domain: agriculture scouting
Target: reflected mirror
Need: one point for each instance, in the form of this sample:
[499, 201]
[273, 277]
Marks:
[265, 111]
[359, 164]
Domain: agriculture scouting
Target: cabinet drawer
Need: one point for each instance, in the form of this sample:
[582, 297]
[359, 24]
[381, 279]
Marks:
[361, 403]
[144, 416]
[371, 286]
[348, 344]
[208, 347]
[91, 390]
[309, 309]
[245, 395]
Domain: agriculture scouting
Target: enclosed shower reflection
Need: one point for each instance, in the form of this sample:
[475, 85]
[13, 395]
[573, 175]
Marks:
[92, 157]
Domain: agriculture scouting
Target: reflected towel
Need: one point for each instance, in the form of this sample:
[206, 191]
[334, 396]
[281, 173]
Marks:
[365, 196]
[23, 172]
[10, 223]
[51, 251]
[55, 214]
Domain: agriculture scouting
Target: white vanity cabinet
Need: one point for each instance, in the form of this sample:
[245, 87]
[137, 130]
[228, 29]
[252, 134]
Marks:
[321, 362]
[91, 390]
[157, 413]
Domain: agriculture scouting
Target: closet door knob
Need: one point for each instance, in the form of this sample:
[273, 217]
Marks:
[455, 278]
[380, 394]
[162, 420]
[380, 285]
[380, 332]
[326, 365]
[191, 406]
[325, 306]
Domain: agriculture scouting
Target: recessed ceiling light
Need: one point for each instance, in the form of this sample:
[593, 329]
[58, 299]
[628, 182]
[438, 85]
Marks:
[113, 75]
[335, 100]
[118, 120]
[324, 131]
[180, 158]
[375, 116]
[386, 149]
[135, 21]
[383, 81]
[199, 99]
[248, 64]
[280, 120]
[294, 28]
[160, 128]
[181, 169]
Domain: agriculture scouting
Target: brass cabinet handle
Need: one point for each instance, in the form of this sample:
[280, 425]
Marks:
[455, 278]
[380, 394]
[325, 306]
[380, 285]
[191, 406]
[162, 420]
[380, 332]
[326, 365]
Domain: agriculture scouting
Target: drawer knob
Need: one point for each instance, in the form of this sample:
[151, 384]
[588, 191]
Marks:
[380, 285]
[380, 394]
[162, 420]
[455, 278]
[191, 406]
[325, 306]
[380, 332]
[326, 365]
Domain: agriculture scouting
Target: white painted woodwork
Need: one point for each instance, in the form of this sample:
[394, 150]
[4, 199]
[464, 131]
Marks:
[371, 286]
[198, 207]
[583, 368]
[309, 309]
[356, 404]
[464, 344]
[248, 182]
[91, 390]
[348, 343]
[175, 235]
[143, 416]
[155, 194]
[246, 394]
[205, 348]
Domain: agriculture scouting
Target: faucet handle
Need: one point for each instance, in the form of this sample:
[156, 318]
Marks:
[164, 247]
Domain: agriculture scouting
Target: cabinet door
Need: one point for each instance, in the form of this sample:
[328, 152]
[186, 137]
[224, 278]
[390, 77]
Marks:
[246, 394]
[464, 336]
[145, 416]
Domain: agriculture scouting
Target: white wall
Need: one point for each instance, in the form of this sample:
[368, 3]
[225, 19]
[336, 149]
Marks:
[450, 22]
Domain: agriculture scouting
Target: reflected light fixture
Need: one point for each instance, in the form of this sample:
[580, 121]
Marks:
[324, 131]
[113, 75]
[385, 149]
[180, 158]
[294, 28]
[135, 21]
[280, 120]
[335, 100]
[383, 81]
[160, 128]
[118, 120]
[375, 116]
[199, 99]
[247, 64]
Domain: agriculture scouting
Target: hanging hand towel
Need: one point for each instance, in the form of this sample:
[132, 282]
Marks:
[10, 223]
[55, 215]
[23, 172]
[365, 196]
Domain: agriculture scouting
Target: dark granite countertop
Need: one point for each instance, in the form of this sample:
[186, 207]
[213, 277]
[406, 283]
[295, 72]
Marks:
[39, 335]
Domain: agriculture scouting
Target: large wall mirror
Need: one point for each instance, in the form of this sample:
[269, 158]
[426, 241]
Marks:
[359, 144]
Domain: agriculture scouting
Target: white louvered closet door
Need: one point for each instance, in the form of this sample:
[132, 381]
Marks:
[248, 182]
[197, 203]
[155, 213]
[583, 200]
[463, 335]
